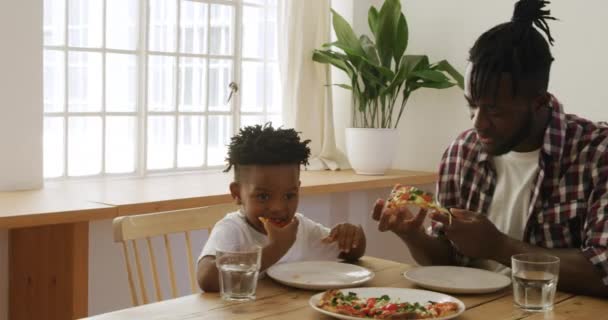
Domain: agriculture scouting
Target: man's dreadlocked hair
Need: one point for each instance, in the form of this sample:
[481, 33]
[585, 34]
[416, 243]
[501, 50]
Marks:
[265, 145]
[516, 48]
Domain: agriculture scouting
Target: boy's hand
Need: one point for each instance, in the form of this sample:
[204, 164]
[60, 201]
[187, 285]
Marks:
[282, 236]
[347, 236]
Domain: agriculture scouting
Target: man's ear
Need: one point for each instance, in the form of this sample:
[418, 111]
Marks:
[542, 100]
[235, 192]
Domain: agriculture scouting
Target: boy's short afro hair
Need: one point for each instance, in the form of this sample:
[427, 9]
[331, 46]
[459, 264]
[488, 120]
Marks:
[265, 145]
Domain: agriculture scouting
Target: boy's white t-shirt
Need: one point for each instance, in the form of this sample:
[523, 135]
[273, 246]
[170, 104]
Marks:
[234, 229]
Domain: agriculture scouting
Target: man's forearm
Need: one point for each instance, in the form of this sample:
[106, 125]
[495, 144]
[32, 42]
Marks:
[427, 250]
[576, 273]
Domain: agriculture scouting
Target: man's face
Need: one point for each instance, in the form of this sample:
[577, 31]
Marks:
[269, 191]
[502, 122]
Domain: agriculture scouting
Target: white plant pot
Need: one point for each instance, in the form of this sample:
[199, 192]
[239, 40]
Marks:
[371, 151]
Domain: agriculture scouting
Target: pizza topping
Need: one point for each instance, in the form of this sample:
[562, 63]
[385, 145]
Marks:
[403, 195]
[382, 307]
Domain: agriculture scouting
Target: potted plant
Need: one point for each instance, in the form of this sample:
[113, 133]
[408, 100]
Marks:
[382, 78]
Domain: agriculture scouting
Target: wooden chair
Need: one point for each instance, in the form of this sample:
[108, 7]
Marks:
[128, 229]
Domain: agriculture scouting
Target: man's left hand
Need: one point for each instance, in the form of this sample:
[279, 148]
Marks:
[471, 233]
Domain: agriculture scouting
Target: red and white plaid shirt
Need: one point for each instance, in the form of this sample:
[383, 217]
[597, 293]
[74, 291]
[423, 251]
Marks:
[569, 202]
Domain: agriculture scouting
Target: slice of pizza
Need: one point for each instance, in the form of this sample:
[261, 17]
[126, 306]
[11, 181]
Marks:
[277, 222]
[403, 195]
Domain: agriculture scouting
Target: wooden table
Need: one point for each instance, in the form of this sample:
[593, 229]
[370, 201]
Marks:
[49, 228]
[275, 301]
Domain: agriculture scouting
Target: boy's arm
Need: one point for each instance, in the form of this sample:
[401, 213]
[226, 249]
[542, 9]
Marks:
[208, 275]
[350, 240]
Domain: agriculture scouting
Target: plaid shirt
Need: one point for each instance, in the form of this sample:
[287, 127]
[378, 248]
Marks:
[569, 202]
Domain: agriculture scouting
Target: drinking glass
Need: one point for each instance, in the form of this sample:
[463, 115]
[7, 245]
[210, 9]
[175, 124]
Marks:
[534, 280]
[239, 268]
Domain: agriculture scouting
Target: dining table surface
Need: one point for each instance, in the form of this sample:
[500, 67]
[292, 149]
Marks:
[276, 301]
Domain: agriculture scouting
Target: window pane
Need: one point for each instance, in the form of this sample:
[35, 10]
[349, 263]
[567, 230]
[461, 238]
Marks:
[276, 119]
[122, 24]
[54, 22]
[259, 2]
[191, 144]
[251, 120]
[273, 88]
[84, 146]
[252, 86]
[84, 82]
[54, 81]
[161, 142]
[193, 84]
[53, 147]
[120, 144]
[220, 131]
[253, 32]
[161, 83]
[193, 25]
[121, 82]
[271, 34]
[163, 25]
[221, 29]
[85, 23]
[220, 76]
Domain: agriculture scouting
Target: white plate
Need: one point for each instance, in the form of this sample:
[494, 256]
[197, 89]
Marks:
[404, 295]
[319, 275]
[457, 279]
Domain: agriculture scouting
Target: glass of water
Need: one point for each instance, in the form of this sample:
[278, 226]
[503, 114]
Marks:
[534, 278]
[239, 267]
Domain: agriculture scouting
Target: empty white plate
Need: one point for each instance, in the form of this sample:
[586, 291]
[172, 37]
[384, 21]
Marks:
[457, 279]
[396, 294]
[319, 275]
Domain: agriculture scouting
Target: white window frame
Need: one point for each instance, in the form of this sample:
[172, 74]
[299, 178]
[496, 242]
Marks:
[142, 113]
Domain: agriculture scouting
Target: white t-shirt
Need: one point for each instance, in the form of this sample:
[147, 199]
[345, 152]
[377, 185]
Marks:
[515, 173]
[234, 229]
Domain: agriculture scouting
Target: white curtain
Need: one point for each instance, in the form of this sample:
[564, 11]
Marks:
[304, 25]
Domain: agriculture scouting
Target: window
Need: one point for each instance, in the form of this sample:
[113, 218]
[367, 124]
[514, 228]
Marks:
[133, 87]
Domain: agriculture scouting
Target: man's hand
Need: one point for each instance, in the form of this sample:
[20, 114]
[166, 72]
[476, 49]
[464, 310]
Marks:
[471, 233]
[400, 221]
[347, 236]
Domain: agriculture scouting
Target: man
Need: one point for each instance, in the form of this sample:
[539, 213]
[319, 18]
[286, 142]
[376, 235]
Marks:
[527, 177]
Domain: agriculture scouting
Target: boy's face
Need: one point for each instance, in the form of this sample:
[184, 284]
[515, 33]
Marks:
[269, 191]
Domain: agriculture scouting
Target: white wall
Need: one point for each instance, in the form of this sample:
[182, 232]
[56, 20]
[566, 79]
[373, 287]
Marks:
[447, 29]
[20, 94]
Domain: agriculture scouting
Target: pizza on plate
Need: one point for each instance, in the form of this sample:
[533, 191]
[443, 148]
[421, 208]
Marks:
[383, 307]
[403, 195]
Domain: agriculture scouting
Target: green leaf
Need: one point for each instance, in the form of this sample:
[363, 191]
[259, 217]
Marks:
[444, 65]
[388, 19]
[345, 34]
[401, 39]
[370, 49]
[431, 75]
[341, 85]
[372, 19]
[437, 85]
[332, 58]
[414, 62]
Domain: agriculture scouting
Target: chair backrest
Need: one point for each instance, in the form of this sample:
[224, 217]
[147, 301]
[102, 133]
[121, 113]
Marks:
[128, 229]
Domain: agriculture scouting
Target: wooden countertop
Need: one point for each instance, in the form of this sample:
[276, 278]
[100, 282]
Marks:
[73, 201]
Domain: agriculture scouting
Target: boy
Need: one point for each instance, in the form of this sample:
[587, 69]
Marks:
[266, 164]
